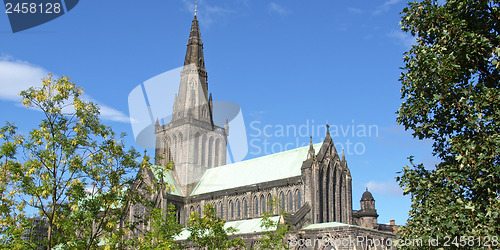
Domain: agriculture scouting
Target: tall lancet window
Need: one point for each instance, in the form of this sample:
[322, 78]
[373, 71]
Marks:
[256, 206]
[238, 208]
[298, 198]
[175, 148]
[196, 150]
[262, 203]
[221, 210]
[203, 149]
[217, 148]
[210, 151]
[231, 209]
[245, 208]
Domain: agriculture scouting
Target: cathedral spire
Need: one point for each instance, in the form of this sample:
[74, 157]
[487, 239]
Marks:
[194, 54]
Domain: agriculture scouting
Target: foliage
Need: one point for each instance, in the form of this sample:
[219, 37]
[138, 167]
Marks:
[163, 230]
[208, 231]
[74, 173]
[451, 95]
[13, 222]
[274, 239]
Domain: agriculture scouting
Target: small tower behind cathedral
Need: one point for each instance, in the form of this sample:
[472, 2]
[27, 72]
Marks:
[367, 216]
[191, 140]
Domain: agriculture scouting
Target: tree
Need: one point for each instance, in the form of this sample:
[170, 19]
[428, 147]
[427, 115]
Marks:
[13, 222]
[74, 172]
[208, 232]
[275, 232]
[164, 229]
[451, 95]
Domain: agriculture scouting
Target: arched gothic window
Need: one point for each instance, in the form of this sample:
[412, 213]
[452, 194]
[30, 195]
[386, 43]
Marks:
[298, 199]
[245, 208]
[262, 203]
[255, 205]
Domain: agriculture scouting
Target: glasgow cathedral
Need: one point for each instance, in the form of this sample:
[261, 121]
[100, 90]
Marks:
[312, 183]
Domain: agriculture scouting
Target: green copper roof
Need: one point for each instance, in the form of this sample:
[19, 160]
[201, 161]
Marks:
[242, 227]
[258, 170]
[168, 178]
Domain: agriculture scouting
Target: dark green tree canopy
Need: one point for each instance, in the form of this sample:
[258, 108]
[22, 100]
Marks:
[451, 95]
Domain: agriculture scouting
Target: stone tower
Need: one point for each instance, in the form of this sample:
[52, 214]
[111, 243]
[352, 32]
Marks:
[191, 140]
[367, 216]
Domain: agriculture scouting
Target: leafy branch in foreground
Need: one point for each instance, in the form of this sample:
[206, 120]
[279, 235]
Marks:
[275, 232]
[451, 95]
[208, 231]
[74, 172]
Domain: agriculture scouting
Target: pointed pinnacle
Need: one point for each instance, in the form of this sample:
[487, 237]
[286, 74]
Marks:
[343, 156]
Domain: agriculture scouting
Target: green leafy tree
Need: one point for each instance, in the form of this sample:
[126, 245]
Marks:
[164, 229]
[208, 232]
[451, 95]
[275, 232]
[74, 172]
[13, 221]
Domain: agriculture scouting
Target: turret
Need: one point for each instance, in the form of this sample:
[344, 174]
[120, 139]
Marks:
[367, 216]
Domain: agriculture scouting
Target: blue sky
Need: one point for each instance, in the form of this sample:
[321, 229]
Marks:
[286, 63]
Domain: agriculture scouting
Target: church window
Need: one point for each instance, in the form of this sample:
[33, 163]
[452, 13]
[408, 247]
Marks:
[245, 208]
[191, 209]
[238, 208]
[175, 148]
[215, 209]
[256, 205]
[210, 151]
[263, 203]
[196, 147]
[282, 199]
[290, 201]
[217, 148]
[199, 210]
[269, 203]
[231, 209]
[298, 198]
[221, 210]
[203, 149]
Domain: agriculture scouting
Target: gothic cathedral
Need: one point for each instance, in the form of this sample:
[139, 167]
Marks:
[312, 183]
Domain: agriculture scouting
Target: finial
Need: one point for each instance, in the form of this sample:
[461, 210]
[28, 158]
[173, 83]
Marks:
[195, 7]
[366, 188]
[327, 129]
[311, 153]
[343, 156]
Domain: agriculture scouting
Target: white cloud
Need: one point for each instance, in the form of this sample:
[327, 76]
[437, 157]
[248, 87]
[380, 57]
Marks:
[403, 38]
[17, 75]
[206, 13]
[276, 8]
[385, 7]
[384, 187]
[108, 113]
